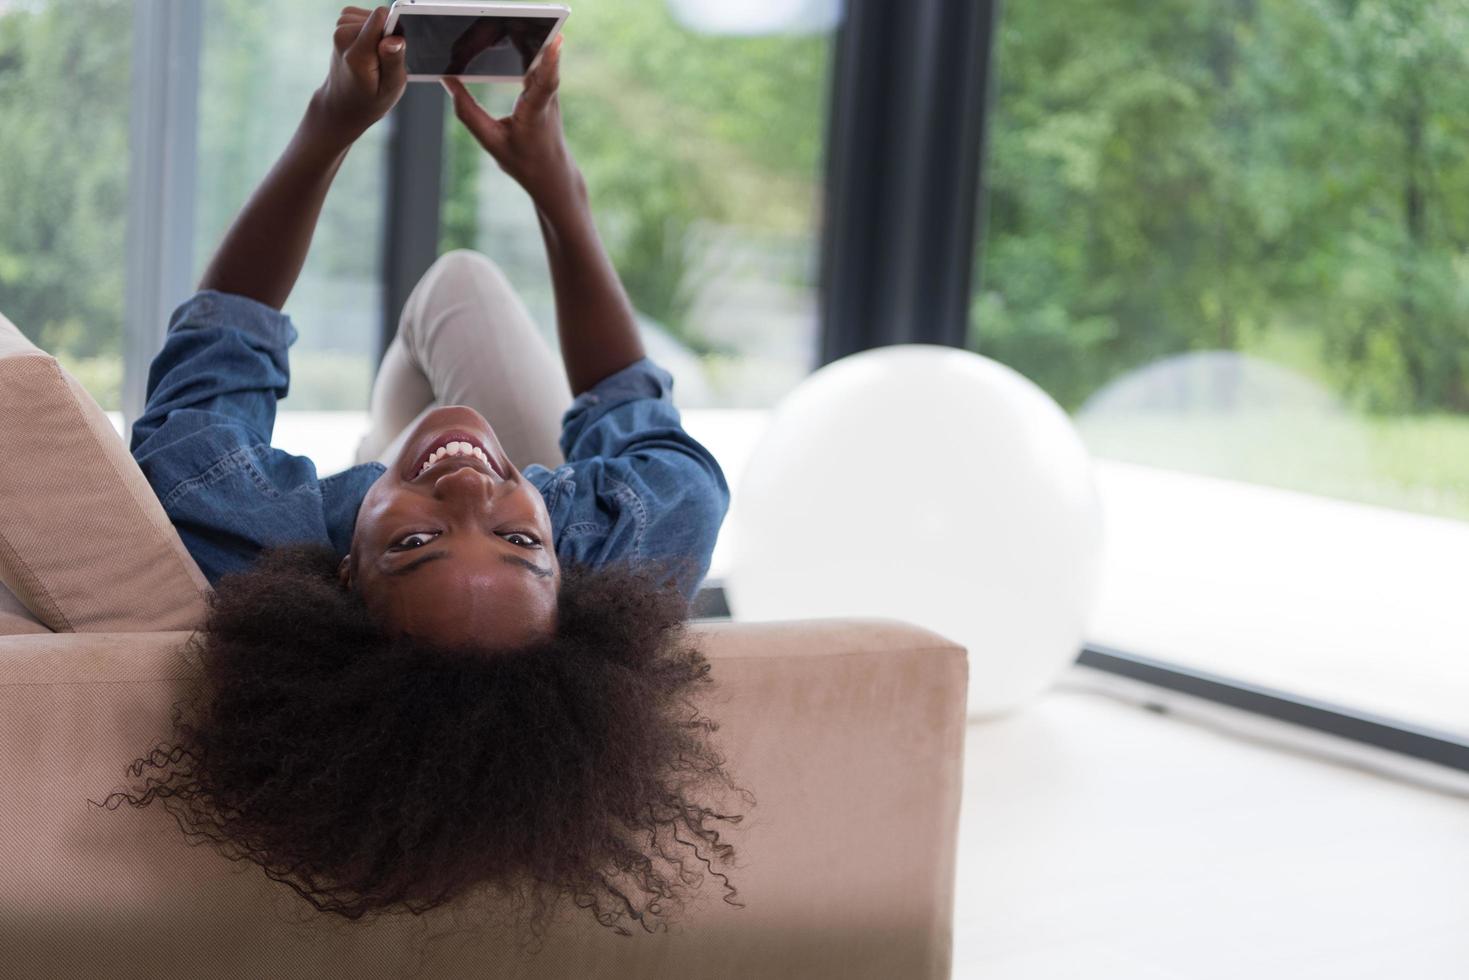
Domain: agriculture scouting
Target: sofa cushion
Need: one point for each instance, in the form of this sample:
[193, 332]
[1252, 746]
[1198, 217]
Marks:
[84, 543]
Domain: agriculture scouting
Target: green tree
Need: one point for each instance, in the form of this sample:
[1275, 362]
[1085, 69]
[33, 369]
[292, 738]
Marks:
[677, 133]
[64, 175]
[1178, 175]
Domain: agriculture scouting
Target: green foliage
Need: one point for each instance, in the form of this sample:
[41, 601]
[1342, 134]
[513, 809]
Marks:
[101, 376]
[1174, 175]
[1165, 175]
[677, 131]
[262, 60]
[459, 213]
[1407, 462]
[65, 95]
[679, 135]
[63, 159]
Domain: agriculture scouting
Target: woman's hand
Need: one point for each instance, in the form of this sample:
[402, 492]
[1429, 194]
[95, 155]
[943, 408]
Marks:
[527, 144]
[367, 75]
[594, 319]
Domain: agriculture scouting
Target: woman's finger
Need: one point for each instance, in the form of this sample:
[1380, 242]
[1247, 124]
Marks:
[364, 50]
[391, 53]
[344, 36]
[485, 127]
[542, 83]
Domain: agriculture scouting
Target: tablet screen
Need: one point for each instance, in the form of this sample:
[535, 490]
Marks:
[440, 44]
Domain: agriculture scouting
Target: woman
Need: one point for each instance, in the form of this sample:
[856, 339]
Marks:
[460, 670]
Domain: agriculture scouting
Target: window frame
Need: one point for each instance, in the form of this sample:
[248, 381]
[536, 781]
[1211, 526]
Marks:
[415, 168]
[904, 173]
[163, 125]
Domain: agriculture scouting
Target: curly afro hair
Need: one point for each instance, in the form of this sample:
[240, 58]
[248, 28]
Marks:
[377, 774]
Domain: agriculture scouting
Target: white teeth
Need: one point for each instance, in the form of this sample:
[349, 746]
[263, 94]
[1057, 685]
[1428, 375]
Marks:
[456, 448]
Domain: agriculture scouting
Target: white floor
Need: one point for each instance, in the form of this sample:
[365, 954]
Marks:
[1099, 840]
[1341, 602]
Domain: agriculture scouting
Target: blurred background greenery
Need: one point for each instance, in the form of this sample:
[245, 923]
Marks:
[1289, 177]
[1286, 180]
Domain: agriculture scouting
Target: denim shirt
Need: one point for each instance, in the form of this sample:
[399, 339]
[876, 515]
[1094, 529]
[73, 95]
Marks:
[635, 486]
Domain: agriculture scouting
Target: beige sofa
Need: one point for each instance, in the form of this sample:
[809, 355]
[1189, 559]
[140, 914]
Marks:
[850, 734]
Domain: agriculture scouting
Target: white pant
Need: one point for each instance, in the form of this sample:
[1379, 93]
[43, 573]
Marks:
[465, 338]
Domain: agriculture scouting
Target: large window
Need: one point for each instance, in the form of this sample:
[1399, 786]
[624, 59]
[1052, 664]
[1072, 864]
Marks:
[703, 155]
[1233, 239]
[699, 126]
[262, 59]
[66, 90]
[64, 101]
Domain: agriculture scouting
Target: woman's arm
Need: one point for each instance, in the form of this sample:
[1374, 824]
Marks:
[262, 254]
[263, 251]
[594, 319]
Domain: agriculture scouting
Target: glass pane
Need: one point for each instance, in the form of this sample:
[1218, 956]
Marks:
[1233, 239]
[262, 60]
[64, 106]
[702, 155]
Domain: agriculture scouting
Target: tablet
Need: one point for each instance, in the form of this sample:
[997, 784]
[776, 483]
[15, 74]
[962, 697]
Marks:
[476, 42]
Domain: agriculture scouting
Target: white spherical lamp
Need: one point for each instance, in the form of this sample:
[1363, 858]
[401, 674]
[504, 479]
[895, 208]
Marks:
[932, 485]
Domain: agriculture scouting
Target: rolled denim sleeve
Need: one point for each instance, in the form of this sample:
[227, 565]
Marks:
[224, 356]
[626, 442]
[593, 426]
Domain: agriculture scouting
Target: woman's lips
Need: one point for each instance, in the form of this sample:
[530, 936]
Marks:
[442, 439]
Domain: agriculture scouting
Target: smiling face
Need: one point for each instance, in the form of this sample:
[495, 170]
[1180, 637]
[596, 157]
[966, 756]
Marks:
[452, 544]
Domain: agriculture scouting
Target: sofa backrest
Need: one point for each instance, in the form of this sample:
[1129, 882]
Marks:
[84, 544]
[849, 734]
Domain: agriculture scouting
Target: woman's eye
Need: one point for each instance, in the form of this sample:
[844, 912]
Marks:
[523, 540]
[415, 540]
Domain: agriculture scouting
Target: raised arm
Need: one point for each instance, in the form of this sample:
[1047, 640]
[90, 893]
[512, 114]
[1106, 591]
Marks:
[263, 251]
[594, 319]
